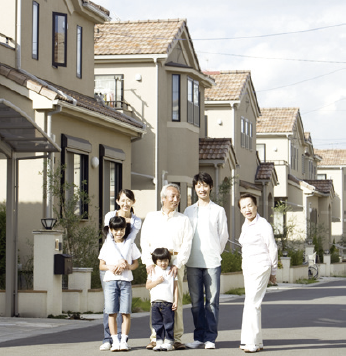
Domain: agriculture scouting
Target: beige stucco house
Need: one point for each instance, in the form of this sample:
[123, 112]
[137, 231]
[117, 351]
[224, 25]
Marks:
[149, 69]
[281, 139]
[332, 166]
[231, 112]
[48, 116]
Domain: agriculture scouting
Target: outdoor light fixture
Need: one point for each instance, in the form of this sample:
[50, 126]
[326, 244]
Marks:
[309, 241]
[326, 252]
[48, 223]
[284, 253]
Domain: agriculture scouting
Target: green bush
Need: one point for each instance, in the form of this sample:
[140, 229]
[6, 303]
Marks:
[334, 257]
[297, 257]
[231, 262]
[140, 274]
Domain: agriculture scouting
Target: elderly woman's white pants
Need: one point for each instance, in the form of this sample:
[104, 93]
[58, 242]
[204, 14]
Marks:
[255, 289]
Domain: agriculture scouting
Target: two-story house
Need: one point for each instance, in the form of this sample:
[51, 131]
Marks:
[231, 112]
[332, 166]
[281, 139]
[49, 116]
[150, 69]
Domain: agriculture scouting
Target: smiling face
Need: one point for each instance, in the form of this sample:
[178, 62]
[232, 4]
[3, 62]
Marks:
[118, 234]
[203, 190]
[125, 203]
[171, 201]
[248, 209]
[163, 264]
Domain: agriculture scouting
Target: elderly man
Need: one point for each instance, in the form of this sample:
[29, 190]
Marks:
[172, 230]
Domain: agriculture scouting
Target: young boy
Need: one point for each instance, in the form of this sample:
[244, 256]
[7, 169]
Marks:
[164, 299]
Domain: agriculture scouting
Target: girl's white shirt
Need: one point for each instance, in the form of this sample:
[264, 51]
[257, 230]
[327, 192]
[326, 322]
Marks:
[109, 255]
[259, 250]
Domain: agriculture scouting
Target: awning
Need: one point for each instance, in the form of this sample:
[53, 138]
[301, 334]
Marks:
[20, 133]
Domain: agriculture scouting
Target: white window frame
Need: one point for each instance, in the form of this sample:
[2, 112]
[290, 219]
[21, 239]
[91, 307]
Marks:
[35, 29]
[79, 47]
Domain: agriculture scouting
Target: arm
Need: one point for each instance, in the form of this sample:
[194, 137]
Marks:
[104, 267]
[185, 248]
[175, 296]
[223, 229]
[121, 264]
[272, 247]
[151, 284]
[135, 227]
[145, 244]
[133, 266]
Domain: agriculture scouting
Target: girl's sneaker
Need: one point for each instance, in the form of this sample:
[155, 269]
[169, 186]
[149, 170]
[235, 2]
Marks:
[124, 346]
[115, 346]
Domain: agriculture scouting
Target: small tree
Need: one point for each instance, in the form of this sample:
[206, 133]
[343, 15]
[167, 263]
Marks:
[317, 233]
[80, 237]
[223, 192]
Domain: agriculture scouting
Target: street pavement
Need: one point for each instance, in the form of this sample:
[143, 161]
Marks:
[296, 320]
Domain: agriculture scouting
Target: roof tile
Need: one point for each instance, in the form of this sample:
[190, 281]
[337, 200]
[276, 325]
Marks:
[331, 157]
[277, 120]
[214, 148]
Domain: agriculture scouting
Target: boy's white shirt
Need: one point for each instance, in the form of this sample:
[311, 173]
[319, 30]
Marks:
[109, 255]
[163, 291]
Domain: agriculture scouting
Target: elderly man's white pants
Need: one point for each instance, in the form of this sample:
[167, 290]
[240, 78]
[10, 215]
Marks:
[255, 289]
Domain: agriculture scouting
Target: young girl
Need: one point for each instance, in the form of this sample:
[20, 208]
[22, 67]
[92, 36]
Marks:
[125, 199]
[117, 286]
[164, 299]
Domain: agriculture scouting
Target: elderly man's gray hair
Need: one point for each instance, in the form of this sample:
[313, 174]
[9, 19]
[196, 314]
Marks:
[167, 186]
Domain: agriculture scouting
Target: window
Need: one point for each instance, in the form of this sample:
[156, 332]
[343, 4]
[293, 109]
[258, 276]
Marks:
[294, 157]
[246, 133]
[303, 164]
[193, 102]
[175, 97]
[242, 132]
[321, 176]
[59, 39]
[250, 135]
[35, 28]
[110, 88]
[79, 51]
[111, 170]
[75, 157]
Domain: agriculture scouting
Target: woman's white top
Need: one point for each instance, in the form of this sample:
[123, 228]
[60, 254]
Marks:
[259, 250]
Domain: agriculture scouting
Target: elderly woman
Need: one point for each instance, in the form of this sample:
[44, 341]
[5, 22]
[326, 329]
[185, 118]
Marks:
[259, 264]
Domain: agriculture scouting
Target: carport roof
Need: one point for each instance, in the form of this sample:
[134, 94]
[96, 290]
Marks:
[20, 133]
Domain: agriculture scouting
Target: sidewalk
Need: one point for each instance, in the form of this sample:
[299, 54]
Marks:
[20, 328]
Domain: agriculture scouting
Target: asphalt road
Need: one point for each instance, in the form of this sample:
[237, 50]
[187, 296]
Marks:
[308, 320]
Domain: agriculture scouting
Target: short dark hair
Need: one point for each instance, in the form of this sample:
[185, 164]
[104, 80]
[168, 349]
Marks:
[203, 177]
[247, 195]
[115, 223]
[161, 254]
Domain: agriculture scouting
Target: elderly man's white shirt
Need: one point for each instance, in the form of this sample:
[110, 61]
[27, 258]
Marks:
[172, 231]
[259, 248]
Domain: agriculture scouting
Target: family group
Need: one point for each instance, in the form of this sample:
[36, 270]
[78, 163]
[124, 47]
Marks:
[170, 241]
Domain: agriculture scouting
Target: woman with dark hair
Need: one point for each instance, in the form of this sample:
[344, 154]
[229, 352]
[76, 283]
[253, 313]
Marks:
[259, 264]
[126, 200]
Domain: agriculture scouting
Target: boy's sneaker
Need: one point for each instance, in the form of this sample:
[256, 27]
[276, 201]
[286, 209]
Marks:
[124, 346]
[106, 346]
[209, 345]
[194, 345]
[167, 347]
[157, 348]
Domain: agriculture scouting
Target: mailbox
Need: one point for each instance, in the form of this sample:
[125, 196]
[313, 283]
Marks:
[62, 264]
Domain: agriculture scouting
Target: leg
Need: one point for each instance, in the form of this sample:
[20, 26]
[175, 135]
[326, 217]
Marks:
[157, 321]
[112, 324]
[168, 321]
[195, 283]
[178, 319]
[125, 329]
[112, 299]
[255, 288]
[211, 281]
[106, 333]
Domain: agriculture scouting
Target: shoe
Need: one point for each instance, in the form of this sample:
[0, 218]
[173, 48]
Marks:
[124, 346]
[250, 351]
[179, 346]
[167, 347]
[209, 345]
[151, 345]
[157, 348]
[115, 347]
[195, 345]
[106, 346]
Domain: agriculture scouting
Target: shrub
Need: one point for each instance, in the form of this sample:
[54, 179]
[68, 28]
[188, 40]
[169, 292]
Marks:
[140, 274]
[297, 257]
[231, 262]
[334, 257]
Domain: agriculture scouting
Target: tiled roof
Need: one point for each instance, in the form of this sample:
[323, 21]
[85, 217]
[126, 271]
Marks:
[230, 85]
[277, 120]
[324, 186]
[331, 157]
[265, 171]
[53, 91]
[214, 148]
[137, 37]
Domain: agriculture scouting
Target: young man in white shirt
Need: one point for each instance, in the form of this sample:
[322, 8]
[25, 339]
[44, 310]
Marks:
[209, 223]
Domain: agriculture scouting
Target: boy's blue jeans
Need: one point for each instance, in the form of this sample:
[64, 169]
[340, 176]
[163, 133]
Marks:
[162, 320]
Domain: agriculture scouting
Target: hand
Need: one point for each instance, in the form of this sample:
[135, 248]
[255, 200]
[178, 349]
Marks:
[174, 306]
[151, 269]
[272, 279]
[112, 268]
[173, 270]
[159, 280]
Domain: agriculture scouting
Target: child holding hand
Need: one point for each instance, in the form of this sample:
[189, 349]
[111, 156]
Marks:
[117, 289]
[164, 299]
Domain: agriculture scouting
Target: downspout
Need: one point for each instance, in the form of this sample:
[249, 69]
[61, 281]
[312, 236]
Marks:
[234, 208]
[50, 162]
[216, 179]
[19, 35]
[157, 138]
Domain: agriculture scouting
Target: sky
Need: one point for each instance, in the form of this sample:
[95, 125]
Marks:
[296, 51]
